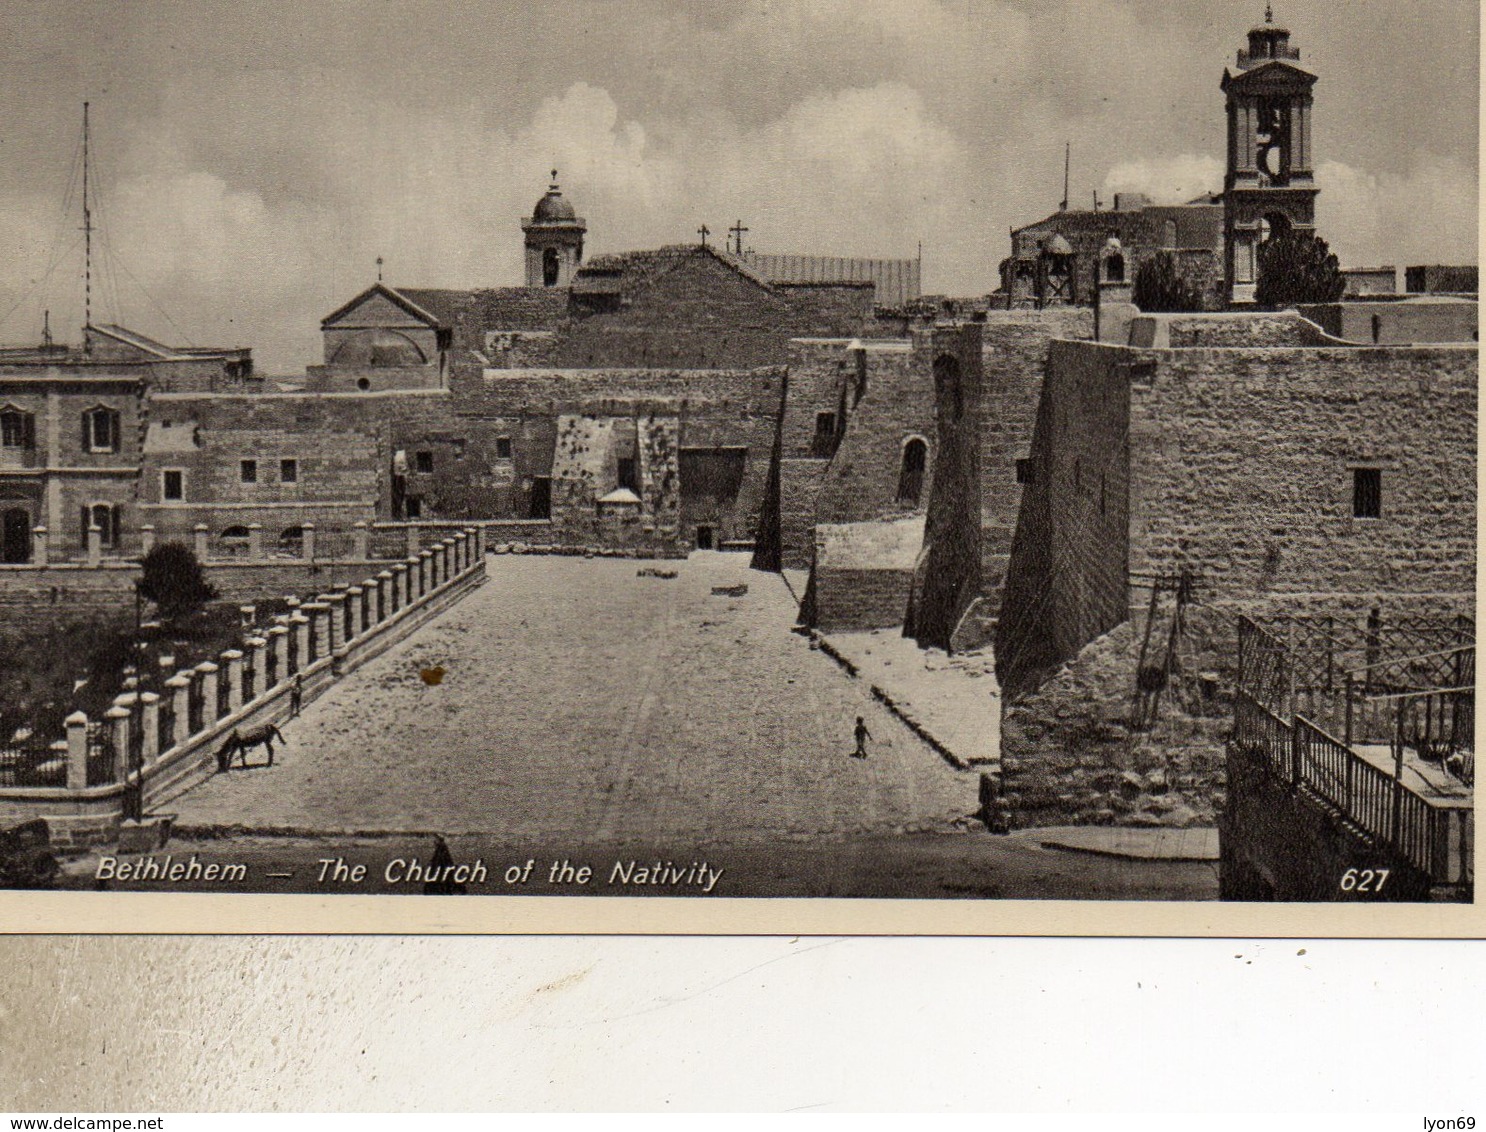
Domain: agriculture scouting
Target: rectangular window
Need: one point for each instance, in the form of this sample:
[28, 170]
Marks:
[248, 470]
[1367, 493]
[414, 505]
[101, 430]
[503, 448]
[172, 486]
[1024, 471]
[423, 462]
[288, 471]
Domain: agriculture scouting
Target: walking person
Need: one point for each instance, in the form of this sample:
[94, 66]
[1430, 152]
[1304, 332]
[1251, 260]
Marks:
[862, 735]
[296, 695]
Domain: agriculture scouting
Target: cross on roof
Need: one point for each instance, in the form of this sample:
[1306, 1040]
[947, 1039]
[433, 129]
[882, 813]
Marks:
[379, 269]
[737, 230]
[704, 232]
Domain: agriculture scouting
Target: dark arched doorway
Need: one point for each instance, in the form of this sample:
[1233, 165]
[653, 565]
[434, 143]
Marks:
[911, 476]
[549, 267]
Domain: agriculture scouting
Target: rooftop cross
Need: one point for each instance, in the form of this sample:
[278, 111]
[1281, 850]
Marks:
[1269, 13]
[379, 269]
[737, 231]
[704, 232]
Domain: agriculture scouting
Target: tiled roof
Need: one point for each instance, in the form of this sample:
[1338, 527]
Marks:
[498, 308]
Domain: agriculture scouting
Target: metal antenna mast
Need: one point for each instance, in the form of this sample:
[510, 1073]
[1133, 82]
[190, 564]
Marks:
[87, 243]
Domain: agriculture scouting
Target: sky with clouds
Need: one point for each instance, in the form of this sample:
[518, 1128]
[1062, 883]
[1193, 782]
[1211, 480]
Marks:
[254, 159]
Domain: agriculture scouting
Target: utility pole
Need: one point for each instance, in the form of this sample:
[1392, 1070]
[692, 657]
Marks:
[1067, 159]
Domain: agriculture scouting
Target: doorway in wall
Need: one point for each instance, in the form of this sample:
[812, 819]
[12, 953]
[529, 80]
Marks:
[15, 536]
[704, 538]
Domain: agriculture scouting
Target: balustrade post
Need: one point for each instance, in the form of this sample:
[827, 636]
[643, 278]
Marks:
[146, 538]
[116, 719]
[480, 543]
[180, 691]
[77, 751]
[412, 536]
[255, 542]
[356, 599]
[40, 548]
[278, 640]
[360, 541]
[335, 605]
[384, 595]
[199, 534]
[307, 541]
[415, 572]
[302, 648]
[95, 544]
[149, 719]
[233, 659]
[399, 586]
[319, 612]
[425, 572]
[258, 658]
[210, 675]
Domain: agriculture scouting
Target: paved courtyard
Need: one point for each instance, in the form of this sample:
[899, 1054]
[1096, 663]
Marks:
[581, 701]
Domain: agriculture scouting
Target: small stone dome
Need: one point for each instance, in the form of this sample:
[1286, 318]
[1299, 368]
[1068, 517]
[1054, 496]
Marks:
[552, 206]
[1058, 246]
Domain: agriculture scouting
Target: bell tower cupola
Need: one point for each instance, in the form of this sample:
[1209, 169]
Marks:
[554, 240]
[1269, 188]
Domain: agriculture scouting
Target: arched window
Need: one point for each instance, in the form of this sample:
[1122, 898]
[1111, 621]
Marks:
[1114, 268]
[947, 385]
[235, 540]
[17, 428]
[911, 476]
[105, 517]
[549, 267]
[101, 430]
[291, 541]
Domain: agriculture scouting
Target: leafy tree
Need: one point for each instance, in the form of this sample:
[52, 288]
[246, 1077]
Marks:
[1297, 268]
[1161, 289]
[173, 580]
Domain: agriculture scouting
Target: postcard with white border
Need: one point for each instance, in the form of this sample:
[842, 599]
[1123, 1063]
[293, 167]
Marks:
[900, 466]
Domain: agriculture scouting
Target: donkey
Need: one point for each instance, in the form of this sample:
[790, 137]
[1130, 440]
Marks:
[239, 742]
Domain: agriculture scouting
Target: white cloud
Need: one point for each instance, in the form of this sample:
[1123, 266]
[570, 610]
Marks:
[1427, 215]
[1170, 180]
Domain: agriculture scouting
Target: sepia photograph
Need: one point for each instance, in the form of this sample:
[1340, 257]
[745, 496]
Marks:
[883, 463]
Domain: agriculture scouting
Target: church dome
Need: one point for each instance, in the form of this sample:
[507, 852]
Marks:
[1058, 245]
[552, 206]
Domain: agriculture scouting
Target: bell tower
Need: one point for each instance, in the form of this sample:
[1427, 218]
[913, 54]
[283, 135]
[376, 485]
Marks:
[554, 240]
[1270, 186]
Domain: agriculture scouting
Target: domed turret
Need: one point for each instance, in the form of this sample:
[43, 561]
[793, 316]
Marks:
[554, 240]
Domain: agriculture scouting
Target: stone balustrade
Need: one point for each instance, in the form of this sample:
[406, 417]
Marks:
[181, 718]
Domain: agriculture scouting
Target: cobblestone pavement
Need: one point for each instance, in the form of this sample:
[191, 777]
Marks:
[581, 701]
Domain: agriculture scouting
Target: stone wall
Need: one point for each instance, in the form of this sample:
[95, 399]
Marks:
[947, 578]
[1242, 469]
[1014, 360]
[1399, 323]
[31, 594]
[862, 575]
[1234, 466]
[1247, 328]
[1066, 580]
